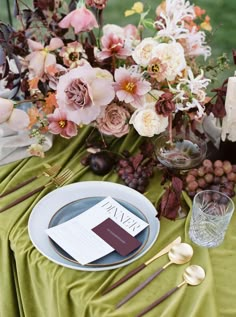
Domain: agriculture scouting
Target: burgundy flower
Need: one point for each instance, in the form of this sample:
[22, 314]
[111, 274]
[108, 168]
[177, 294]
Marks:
[165, 105]
[99, 4]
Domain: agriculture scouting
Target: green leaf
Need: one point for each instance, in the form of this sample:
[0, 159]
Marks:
[142, 15]
[148, 24]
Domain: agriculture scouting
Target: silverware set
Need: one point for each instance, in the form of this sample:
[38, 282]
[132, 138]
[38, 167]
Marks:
[178, 253]
[54, 180]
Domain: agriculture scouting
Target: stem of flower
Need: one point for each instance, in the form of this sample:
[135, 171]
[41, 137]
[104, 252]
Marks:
[80, 4]
[170, 128]
[27, 101]
[113, 66]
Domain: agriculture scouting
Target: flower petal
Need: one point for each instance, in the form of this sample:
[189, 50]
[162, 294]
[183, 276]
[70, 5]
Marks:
[54, 44]
[19, 120]
[6, 108]
[35, 46]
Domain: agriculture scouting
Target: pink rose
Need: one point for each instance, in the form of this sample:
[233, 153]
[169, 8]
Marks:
[81, 19]
[83, 91]
[114, 121]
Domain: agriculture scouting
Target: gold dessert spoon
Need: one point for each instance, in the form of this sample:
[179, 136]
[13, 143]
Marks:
[179, 254]
[193, 275]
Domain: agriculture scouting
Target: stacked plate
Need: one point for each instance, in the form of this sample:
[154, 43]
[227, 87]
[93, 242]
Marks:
[69, 201]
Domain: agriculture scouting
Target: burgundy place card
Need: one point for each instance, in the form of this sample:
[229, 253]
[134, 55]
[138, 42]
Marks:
[116, 237]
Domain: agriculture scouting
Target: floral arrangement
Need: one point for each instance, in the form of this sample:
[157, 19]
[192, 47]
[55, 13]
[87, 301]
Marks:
[72, 70]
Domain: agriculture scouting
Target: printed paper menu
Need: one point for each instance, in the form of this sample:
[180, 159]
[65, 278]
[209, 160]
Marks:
[78, 239]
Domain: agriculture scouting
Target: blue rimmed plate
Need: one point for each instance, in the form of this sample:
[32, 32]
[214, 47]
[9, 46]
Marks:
[77, 207]
[59, 199]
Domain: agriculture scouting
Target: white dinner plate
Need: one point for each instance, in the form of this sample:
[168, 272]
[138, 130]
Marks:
[49, 205]
[79, 206]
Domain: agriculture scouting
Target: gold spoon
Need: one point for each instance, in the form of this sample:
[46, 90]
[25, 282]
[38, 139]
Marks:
[193, 275]
[178, 254]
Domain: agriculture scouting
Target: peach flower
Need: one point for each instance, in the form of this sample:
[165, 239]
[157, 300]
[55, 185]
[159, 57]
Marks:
[59, 124]
[81, 19]
[130, 86]
[114, 121]
[41, 58]
[113, 45]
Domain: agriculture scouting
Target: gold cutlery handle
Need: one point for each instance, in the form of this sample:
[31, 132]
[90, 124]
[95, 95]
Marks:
[125, 278]
[140, 287]
[158, 301]
[22, 198]
[163, 251]
[18, 186]
[142, 266]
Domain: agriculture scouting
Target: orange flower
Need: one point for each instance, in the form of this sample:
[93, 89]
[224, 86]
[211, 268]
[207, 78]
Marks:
[50, 103]
[206, 25]
[33, 83]
[199, 11]
[34, 115]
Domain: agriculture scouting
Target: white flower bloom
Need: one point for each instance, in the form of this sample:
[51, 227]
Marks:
[147, 122]
[175, 13]
[190, 92]
[152, 97]
[173, 55]
[195, 44]
[194, 103]
[171, 28]
[196, 85]
[179, 8]
[143, 51]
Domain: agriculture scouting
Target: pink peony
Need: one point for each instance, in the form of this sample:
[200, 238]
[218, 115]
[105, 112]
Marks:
[59, 124]
[41, 58]
[114, 121]
[83, 91]
[130, 87]
[81, 19]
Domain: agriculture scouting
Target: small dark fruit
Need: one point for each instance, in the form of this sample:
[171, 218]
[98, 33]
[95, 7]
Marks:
[101, 163]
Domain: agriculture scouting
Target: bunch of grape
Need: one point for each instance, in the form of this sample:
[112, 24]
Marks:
[218, 175]
[135, 177]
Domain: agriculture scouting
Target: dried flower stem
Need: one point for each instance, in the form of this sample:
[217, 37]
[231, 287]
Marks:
[26, 101]
[170, 128]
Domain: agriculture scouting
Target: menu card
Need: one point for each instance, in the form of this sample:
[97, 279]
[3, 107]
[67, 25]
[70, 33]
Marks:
[83, 236]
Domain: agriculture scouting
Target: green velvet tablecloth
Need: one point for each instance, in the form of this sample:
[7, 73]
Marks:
[33, 286]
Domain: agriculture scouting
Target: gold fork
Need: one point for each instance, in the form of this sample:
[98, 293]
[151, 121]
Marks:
[49, 172]
[58, 181]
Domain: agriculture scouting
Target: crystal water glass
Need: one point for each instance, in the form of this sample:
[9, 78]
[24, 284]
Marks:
[211, 214]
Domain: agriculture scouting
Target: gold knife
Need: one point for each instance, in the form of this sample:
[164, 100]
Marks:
[142, 266]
